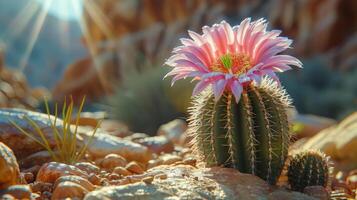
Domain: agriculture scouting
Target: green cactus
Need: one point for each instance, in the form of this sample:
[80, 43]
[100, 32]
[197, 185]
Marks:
[308, 169]
[251, 136]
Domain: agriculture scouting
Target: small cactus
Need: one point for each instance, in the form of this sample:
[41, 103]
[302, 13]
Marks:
[308, 168]
[251, 136]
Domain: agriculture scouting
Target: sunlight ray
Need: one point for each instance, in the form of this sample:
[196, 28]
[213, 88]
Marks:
[98, 17]
[22, 19]
[34, 34]
[90, 44]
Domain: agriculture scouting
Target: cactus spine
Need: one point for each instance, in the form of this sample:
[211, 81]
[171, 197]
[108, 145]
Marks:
[308, 169]
[251, 136]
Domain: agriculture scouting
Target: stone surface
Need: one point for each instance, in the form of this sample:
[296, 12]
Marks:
[104, 144]
[318, 192]
[339, 141]
[9, 169]
[111, 161]
[12, 137]
[134, 168]
[75, 179]
[50, 172]
[87, 167]
[157, 144]
[38, 158]
[68, 189]
[18, 191]
[187, 182]
[173, 130]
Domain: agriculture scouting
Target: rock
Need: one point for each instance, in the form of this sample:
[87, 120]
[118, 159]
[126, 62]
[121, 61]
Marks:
[7, 197]
[310, 125]
[122, 171]
[75, 179]
[38, 158]
[352, 182]
[9, 169]
[89, 118]
[68, 189]
[12, 137]
[87, 167]
[104, 144]
[186, 182]
[284, 195]
[50, 172]
[134, 168]
[168, 159]
[173, 130]
[136, 136]
[318, 192]
[28, 176]
[82, 78]
[157, 144]
[18, 191]
[94, 179]
[339, 141]
[111, 161]
[115, 128]
[40, 187]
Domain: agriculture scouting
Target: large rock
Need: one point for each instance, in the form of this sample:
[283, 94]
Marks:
[339, 141]
[104, 144]
[186, 182]
[9, 169]
[17, 141]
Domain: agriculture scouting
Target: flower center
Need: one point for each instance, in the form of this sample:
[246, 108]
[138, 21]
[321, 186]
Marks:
[232, 63]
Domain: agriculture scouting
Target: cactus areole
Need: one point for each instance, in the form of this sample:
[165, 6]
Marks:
[238, 118]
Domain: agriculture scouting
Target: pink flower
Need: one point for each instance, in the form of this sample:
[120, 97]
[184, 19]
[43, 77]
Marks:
[228, 58]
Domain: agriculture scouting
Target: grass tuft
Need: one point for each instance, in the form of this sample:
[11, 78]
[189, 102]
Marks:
[66, 141]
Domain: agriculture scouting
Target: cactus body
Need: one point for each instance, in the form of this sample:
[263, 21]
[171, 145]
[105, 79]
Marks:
[251, 135]
[308, 169]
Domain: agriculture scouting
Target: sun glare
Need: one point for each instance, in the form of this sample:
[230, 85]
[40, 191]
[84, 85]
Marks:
[64, 9]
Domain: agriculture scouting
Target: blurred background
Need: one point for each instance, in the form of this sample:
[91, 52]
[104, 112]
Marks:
[112, 51]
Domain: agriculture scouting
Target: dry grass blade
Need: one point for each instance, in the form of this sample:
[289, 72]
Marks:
[66, 141]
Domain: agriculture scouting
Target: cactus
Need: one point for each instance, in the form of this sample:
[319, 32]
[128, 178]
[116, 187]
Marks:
[308, 169]
[144, 101]
[251, 136]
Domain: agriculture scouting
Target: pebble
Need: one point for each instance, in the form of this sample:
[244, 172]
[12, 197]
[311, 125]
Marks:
[157, 144]
[87, 167]
[75, 179]
[39, 187]
[160, 176]
[168, 159]
[19, 191]
[190, 161]
[10, 172]
[134, 167]
[111, 161]
[50, 172]
[173, 130]
[122, 171]
[29, 177]
[352, 182]
[94, 179]
[68, 189]
[104, 144]
[148, 180]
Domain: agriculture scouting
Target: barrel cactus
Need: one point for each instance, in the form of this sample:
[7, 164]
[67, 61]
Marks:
[238, 118]
[251, 135]
[308, 168]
